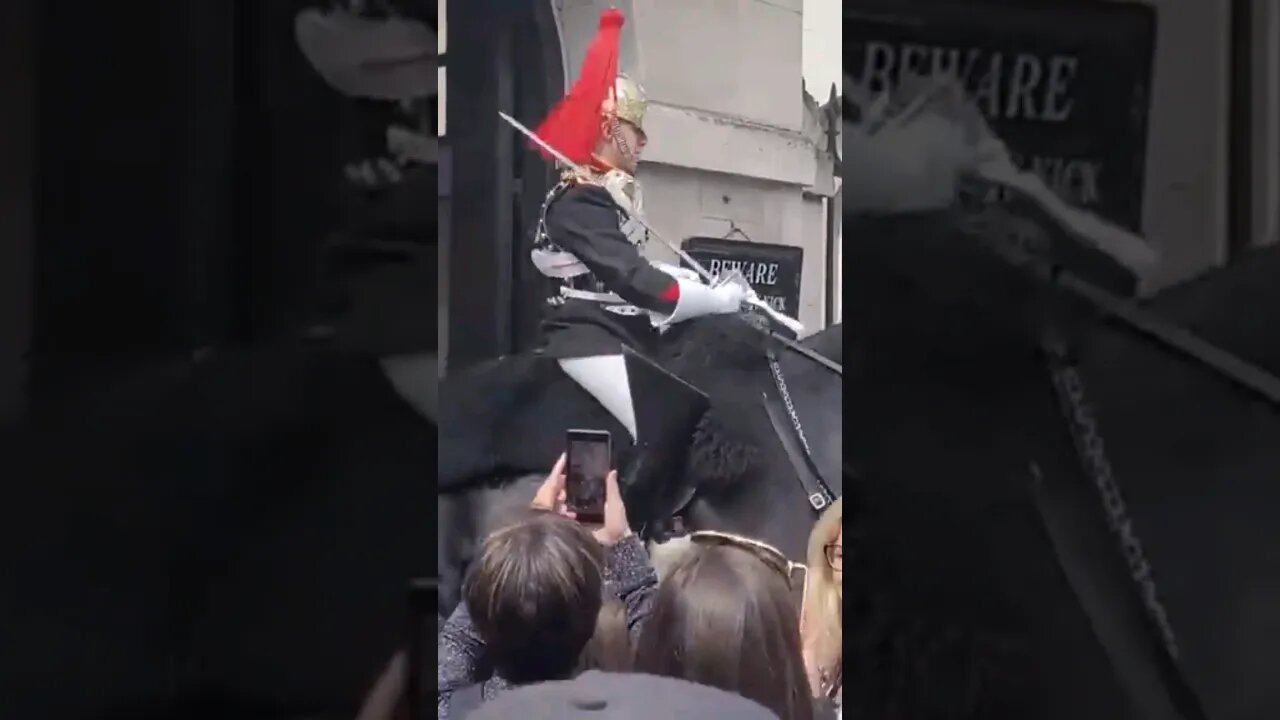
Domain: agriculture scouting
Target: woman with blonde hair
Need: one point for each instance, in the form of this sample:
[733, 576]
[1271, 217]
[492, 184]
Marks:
[726, 617]
[821, 622]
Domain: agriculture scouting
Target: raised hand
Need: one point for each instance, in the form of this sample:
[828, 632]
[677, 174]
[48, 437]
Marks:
[615, 527]
[550, 495]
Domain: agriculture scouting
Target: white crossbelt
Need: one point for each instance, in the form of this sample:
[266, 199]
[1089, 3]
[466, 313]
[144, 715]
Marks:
[569, 292]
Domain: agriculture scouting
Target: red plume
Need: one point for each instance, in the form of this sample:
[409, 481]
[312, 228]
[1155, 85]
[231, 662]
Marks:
[573, 125]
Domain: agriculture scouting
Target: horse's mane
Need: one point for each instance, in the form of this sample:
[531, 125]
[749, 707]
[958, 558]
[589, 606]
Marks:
[720, 343]
[726, 358]
[720, 355]
[719, 455]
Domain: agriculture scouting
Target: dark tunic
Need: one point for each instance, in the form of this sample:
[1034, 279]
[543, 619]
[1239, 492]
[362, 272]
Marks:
[585, 220]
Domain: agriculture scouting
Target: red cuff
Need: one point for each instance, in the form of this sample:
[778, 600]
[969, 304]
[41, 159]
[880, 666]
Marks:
[672, 293]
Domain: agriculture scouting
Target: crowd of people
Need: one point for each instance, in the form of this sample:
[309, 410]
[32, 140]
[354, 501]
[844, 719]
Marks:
[560, 617]
[550, 599]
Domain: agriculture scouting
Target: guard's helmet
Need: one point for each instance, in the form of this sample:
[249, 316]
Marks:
[627, 102]
[573, 126]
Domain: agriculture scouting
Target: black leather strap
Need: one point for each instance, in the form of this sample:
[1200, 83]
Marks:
[815, 488]
[1130, 626]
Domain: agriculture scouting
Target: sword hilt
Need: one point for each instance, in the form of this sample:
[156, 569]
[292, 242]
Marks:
[766, 309]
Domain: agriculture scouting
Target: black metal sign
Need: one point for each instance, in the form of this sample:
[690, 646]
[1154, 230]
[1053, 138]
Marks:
[772, 270]
[1065, 83]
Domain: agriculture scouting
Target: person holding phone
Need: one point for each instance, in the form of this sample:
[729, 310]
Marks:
[530, 604]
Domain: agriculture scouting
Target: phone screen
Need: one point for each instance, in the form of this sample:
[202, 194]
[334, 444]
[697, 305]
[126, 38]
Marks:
[588, 462]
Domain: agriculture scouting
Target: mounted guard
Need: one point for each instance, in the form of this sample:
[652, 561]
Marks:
[609, 303]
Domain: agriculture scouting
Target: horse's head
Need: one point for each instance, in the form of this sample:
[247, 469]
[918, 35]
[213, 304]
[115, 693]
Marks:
[937, 202]
[741, 472]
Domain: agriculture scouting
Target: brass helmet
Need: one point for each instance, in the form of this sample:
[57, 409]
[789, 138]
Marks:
[627, 102]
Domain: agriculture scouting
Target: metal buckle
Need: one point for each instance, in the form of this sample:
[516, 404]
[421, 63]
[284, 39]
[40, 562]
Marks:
[818, 501]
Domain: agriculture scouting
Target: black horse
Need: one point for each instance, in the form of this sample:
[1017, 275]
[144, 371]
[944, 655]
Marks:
[954, 425]
[737, 475]
[1197, 457]
[238, 527]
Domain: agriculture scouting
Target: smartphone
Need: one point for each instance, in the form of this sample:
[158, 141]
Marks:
[588, 455]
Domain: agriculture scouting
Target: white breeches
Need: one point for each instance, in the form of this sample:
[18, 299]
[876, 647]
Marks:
[605, 377]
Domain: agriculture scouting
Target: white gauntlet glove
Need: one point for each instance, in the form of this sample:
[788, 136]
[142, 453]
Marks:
[731, 296]
[697, 300]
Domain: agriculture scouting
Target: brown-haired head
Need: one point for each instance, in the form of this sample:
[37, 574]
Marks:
[610, 647]
[534, 596]
[725, 618]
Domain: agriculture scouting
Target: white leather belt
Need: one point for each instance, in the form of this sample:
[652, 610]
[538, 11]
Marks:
[569, 292]
[611, 302]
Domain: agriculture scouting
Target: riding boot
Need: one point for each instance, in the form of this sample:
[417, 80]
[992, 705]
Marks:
[667, 412]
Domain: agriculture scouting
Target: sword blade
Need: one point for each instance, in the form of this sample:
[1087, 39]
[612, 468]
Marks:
[559, 156]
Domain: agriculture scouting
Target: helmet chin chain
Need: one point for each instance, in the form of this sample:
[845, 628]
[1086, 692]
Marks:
[615, 133]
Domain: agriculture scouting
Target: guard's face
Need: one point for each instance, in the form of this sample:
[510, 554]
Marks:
[629, 143]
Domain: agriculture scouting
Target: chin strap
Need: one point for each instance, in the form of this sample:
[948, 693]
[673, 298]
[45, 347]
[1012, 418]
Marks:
[620, 140]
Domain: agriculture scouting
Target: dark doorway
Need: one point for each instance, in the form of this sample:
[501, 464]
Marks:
[187, 180]
[502, 56]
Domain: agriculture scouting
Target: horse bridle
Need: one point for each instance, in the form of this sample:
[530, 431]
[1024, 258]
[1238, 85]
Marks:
[806, 352]
[1078, 414]
[790, 432]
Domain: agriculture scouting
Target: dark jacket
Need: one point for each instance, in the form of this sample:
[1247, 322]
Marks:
[584, 220]
[460, 655]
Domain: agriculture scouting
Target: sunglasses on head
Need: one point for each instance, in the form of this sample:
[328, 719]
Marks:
[793, 573]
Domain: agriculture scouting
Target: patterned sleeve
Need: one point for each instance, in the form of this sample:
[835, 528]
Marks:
[459, 658]
[584, 221]
[631, 578]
